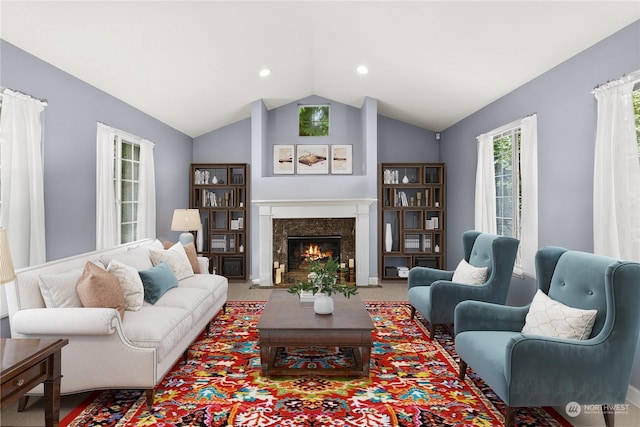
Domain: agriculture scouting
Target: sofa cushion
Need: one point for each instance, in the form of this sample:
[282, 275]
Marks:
[175, 257]
[161, 328]
[196, 301]
[192, 255]
[156, 281]
[130, 282]
[551, 318]
[99, 288]
[59, 290]
[468, 274]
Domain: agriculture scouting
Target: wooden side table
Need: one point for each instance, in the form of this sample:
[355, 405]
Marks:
[27, 363]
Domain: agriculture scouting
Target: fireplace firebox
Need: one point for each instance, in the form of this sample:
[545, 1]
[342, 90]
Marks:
[321, 248]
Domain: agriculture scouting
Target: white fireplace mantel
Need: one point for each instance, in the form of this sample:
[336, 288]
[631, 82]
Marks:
[314, 208]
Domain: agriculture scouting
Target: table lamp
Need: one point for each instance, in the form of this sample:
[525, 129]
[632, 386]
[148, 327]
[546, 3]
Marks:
[186, 220]
[7, 274]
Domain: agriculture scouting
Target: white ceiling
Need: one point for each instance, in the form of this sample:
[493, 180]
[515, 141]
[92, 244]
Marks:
[194, 65]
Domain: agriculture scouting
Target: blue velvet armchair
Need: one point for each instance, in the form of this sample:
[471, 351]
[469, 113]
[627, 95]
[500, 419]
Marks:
[432, 293]
[527, 370]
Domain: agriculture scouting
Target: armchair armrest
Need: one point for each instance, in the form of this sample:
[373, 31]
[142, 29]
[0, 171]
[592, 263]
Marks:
[204, 264]
[65, 321]
[567, 368]
[423, 276]
[485, 316]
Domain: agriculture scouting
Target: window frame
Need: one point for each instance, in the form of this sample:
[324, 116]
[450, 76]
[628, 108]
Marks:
[120, 139]
[515, 135]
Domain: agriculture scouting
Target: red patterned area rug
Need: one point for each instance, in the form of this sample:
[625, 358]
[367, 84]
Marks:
[413, 383]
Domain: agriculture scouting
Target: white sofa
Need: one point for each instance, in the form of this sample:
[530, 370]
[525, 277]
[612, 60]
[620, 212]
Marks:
[106, 351]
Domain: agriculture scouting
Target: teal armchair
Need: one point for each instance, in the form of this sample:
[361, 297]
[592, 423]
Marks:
[527, 370]
[432, 293]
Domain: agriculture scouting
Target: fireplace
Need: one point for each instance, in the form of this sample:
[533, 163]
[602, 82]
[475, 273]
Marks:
[356, 242]
[320, 248]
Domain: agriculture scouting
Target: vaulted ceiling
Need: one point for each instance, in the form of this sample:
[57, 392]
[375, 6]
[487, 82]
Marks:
[194, 65]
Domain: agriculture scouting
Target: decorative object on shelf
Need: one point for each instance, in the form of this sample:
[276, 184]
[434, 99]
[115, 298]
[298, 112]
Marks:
[7, 273]
[388, 238]
[312, 159]
[283, 159]
[186, 220]
[405, 178]
[352, 271]
[341, 159]
[322, 281]
[214, 180]
[313, 120]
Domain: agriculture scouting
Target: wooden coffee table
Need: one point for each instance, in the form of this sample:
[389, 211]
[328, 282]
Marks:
[287, 322]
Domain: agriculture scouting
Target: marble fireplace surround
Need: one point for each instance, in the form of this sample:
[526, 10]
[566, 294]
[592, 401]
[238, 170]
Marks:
[317, 208]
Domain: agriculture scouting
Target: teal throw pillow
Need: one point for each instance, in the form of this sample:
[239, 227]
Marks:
[157, 281]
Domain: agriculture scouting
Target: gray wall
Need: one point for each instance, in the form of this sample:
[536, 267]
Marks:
[566, 111]
[69, 153]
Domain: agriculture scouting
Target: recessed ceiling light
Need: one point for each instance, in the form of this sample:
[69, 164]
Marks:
[265, 72]
[362, 69]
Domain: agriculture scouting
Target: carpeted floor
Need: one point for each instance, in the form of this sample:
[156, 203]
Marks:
[413, 382]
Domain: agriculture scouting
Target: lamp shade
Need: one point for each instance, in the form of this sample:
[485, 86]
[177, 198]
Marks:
[186, 220]
[7, 273]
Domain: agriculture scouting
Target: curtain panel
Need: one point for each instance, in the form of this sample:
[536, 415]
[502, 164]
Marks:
[22, 189]
[106, 216]
[616, 186]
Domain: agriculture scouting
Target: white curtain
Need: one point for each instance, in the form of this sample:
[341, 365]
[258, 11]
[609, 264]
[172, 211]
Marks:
[529, 184]
[106, 218]
[616, 189]
[22, 210]
[485, 202]
[147, 192]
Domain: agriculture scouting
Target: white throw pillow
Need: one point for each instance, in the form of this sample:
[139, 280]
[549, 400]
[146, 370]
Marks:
[175, 257]
[137, 258]
[59, 290]
[551, 318]
[468, 274]
[130, 282]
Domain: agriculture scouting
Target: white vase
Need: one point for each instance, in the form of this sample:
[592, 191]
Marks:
[388, 238]
[323, 304]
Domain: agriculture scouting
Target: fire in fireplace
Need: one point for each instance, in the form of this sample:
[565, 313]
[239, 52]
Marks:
[299, 248]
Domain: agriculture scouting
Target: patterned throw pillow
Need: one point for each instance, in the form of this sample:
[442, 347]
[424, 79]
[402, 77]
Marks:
[469, 275]
[175, 257]
[192, 254]
[130, 283]
[551, 318]
[99, 288]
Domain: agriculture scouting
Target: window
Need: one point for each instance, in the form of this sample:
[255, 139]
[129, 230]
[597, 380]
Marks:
[507, 187]
[126, 183]
[506, 154]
